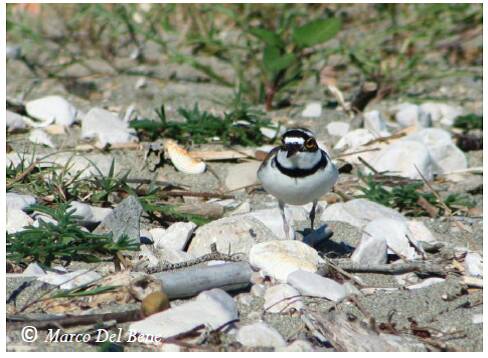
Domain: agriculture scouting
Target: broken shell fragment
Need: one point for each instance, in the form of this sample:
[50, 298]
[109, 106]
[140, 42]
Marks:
[182, 160]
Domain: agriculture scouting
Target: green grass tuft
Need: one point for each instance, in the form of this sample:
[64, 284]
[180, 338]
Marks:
[240, 126]
[405, 197]
[63, 242]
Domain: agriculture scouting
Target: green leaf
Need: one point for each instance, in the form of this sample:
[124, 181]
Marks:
[315, 32]
[469, 121]
[274, 61]
[268, 37]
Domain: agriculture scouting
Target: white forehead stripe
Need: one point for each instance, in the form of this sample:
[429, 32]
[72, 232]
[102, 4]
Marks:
[297, 140]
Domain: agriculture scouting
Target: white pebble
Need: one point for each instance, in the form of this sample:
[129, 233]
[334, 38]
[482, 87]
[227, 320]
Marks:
[312, 110]
[282, 298]
[52, 109]
[311, 284]
[38, 136]
[259, 335]
[338, 128]
[473, 264]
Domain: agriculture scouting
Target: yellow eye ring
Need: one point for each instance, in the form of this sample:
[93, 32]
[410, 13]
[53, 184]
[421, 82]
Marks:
[310, 143]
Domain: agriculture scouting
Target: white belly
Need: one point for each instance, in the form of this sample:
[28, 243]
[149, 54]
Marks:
[298, 191]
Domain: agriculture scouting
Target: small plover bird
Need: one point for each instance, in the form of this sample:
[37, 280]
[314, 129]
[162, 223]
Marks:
[297, 172]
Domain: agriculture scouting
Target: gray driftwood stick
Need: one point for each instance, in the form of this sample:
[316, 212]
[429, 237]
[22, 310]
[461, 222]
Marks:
[395, 268]
[190, 282]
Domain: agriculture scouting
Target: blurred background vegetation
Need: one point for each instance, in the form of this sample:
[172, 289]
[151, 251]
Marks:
[264, 52]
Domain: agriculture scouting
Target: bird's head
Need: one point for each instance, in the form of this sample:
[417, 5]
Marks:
[298, 140]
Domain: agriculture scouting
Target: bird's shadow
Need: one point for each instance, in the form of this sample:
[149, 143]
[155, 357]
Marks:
[320, 239]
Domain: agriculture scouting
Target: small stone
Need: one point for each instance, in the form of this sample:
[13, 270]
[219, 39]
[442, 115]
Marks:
[258, 290]
[257, 278]
[235, 234]
[446, 157]
[406, 279]
[278, 258]
[15, 122]
[311, 284]
[34, 270]
[149, 253]
[68, 281]
[55, 129]
[141, 83]
[174, 256]
[359, 212]
[244, 298]
[88, 213]
[394, 233]
[371, 250]
[312, 110]
[17, 220]
[212, 308]
[426, 283]
[123, 220]
[420, 232]
[282, 298]
[259, 335]
[38, 136]
[174, 237]
[338, 129]
[52, 109]
[376, 123]
[107, 127]
[13, 52]
[242, 175]
[170, 348]
[402, 158]
[473, 264]
[441, 112]
[154, 302]
[354, 139]
[408, 115]
[19, 201]
[41, 217]
[297, 346]
[477, 318]
[244, 208]
[272, 132]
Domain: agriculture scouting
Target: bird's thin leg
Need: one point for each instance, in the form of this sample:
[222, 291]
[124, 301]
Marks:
[312, 213]
[286, 227]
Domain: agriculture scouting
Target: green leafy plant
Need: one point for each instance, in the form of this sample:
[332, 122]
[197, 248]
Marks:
[46, 180]
[64, 241]
[240, 126]
[469, 122]
[406, 197]
[104, 185]
[284, 51]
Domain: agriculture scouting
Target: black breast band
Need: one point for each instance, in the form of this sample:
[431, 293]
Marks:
[299, 172]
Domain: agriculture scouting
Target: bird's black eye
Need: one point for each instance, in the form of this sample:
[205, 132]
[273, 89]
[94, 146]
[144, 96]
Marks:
[310, 143]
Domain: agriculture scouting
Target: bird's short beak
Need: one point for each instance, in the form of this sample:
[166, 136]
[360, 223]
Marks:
[292, 149]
